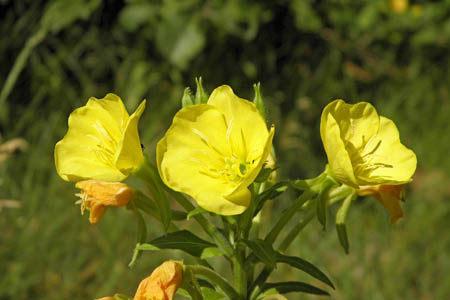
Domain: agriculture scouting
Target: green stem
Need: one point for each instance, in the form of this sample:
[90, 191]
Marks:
[193, 292]
[216, 279]
[287, 215]
[239, 273]
[19, 64]
[256, 287]
[296, 230]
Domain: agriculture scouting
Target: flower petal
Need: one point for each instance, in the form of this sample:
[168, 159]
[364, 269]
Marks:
[400, 162]
[358, 123]
[88, 148]
[191, 153]
[129, 153]
[248, 127]
[234, 204]
[338, 157]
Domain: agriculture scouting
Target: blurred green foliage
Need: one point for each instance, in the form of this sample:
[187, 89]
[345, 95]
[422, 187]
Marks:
[305, 53]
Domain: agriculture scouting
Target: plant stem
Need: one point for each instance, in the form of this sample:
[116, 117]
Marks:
[19, 64]
[287, 215]
[296, 230]
[193, 292]
[240, 276]
[215, 278]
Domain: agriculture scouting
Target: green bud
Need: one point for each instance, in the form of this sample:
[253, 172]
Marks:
[200, 95]
[187, 99]
[258, 100]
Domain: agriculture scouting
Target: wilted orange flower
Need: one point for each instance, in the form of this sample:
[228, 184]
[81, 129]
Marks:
[389, 196]
[162, 283]
[96, 195]
[106, 298]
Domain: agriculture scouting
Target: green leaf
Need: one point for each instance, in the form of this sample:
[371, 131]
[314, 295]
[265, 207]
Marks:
[294, 286]
[142, 234]
[305, 266]
[259, 101]
[341, 217]
[182, 240]
[211, 252]
[264, 174]
[195, 211]
[263, 251]
[147, 247]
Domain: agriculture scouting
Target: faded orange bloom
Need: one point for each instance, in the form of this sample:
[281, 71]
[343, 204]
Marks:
[106, 298]
[97, 195]
[389, 196]
[162, 283]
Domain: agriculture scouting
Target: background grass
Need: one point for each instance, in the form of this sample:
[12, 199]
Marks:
[304, 53]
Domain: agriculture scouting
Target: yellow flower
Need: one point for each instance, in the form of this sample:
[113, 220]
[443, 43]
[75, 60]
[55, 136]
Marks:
[214, 151]
[162, 284]
[102, 142]
[399, 6]
[389, 196]
[363, 148]
[97, 195]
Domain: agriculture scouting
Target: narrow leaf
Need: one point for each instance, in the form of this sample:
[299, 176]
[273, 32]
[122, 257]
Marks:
[263, 251]
[270, 194]
[211, 252]
[341, 217]
[294, 286]
[305, 266]
[182, 240]
[321, 208]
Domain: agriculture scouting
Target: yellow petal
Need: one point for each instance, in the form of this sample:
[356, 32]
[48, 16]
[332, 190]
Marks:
[247, 128]
[90, 149]
[191, 152]
[338, 157]
[129, 153]
[358, 123]
[400, 162]
[250, 177]
[234, 204]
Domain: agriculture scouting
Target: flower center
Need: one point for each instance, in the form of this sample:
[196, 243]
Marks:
[106, 145]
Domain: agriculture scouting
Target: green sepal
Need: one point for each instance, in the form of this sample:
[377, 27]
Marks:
[305, 266]
[258, 100]
[188, 98]
[200, 95]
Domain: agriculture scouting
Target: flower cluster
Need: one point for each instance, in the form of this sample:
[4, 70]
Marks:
[218, 152]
